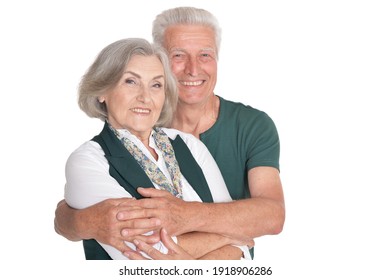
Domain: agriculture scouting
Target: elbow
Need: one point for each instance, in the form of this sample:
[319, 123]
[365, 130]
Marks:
[277, 224]
[277, 228]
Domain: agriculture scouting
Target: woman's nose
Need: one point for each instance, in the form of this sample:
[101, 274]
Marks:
[143, 94]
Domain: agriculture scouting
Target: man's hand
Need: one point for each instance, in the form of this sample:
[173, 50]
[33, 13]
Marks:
[174, 213]
[100, 222]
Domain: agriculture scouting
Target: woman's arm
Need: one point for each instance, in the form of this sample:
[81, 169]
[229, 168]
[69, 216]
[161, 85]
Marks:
[199, 244]
[177, 252]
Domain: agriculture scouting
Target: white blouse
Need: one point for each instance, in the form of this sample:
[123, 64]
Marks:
[88, 180]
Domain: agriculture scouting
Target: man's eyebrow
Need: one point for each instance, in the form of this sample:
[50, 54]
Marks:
[183, 50]
[208, 49]
[177, 50]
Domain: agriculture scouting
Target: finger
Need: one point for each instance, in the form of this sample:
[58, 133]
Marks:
[153, 238]
[141, 224]
[168, 241]
[119, 201]
[121, 246]
[174, 250]
[149, 239]
[133, 213]
[152, 192]
[127, 200]
[151, 223]
[130, 234]
[149, 250]
[134, 203]
[133, 255]
[138, 208]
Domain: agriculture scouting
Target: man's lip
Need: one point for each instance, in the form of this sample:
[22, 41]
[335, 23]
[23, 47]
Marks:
[192, 83]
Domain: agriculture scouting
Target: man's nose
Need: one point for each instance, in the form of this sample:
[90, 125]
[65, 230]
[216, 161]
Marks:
[192, 67]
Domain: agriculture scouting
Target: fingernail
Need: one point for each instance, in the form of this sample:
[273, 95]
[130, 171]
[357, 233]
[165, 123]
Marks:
[125, 233]
[136, 242]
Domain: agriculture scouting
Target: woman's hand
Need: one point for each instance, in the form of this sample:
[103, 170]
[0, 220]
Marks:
[175, 252]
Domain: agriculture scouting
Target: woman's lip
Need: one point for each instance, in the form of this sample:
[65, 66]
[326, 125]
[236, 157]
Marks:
[140, 110]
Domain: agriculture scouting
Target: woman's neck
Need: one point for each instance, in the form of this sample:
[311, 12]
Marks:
[144, 137]
[196, 118]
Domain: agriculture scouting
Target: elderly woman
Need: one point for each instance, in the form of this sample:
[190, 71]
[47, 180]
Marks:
[130, 87]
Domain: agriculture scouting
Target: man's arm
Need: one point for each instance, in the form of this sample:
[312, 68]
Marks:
[243, 219]
[65, 221]
[262, 214]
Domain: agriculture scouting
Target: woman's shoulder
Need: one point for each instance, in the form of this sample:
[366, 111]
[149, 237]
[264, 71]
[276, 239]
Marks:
[88, 150]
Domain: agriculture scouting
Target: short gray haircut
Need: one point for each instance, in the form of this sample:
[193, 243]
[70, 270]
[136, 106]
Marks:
[108, 68]
[186, 16]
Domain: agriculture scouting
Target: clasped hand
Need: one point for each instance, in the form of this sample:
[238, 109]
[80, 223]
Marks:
[129, 219]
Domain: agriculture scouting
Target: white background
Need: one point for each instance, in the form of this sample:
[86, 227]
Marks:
[320, 69]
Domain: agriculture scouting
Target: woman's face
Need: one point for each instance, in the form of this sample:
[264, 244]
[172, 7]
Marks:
[135, 103]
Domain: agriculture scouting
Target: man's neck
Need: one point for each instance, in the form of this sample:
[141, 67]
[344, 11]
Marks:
[196, 118]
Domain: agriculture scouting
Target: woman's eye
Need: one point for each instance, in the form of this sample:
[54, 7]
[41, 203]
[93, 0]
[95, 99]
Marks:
[157, 85]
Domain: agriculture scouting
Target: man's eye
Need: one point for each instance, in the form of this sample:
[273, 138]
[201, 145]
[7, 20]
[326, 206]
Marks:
[177, 55]
[130, 81]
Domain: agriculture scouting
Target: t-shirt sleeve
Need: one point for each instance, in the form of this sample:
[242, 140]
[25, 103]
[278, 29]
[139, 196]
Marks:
[263, 142]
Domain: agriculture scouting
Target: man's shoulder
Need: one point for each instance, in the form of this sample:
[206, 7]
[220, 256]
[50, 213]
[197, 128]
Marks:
[241, 110]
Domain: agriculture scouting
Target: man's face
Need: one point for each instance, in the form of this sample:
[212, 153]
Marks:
[193, 56]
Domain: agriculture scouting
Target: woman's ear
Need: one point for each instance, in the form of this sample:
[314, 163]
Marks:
[101, 99]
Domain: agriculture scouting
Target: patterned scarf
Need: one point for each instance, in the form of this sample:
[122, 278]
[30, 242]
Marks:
[151, 169]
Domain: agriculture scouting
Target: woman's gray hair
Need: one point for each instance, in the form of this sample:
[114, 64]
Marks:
[185, 15]
[108, 68]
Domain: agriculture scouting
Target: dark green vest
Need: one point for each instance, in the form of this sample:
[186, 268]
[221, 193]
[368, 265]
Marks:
[125, 169]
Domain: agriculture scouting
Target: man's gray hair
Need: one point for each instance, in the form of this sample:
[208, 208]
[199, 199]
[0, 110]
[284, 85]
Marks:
[185, 15]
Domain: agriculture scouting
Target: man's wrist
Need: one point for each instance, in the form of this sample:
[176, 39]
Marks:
[79, 222]
[196, 219]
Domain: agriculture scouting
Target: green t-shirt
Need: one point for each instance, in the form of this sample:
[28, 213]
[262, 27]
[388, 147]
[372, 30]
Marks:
[242, 138]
